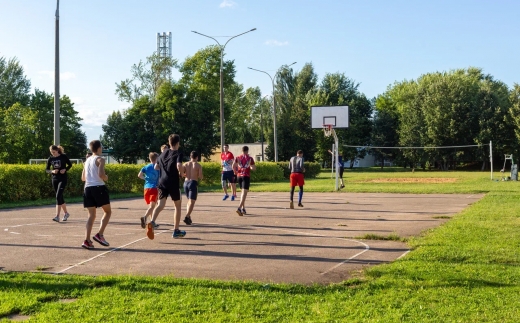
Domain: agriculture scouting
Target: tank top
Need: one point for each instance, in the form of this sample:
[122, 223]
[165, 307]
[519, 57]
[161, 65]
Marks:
[92, 173]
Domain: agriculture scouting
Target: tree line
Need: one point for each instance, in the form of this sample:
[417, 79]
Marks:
[27, 119]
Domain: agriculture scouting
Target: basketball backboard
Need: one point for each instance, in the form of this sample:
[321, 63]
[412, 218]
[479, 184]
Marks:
[336, 116]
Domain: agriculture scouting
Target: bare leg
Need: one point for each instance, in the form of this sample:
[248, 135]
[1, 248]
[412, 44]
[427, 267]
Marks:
[150, 209]
[189, 207]
[234, 188]
[64, 208]
[107, 212]
[90, 222]
[177, 214]
[158, 209]
[58, 210]
[243, 199]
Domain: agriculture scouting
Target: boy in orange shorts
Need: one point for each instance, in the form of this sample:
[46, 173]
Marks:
[151, 177]
[297, 178]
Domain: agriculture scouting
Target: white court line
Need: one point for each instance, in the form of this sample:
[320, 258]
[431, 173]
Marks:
[404, 254]
[104, 253]
[14, 232]
[367, 247]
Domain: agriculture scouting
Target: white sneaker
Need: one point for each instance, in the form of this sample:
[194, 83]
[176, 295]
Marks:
[66, 216]
[56, 219]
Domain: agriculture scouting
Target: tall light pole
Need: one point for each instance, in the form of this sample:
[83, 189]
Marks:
[262, 127]
[57, 77]
[274, 105]
[222, 47]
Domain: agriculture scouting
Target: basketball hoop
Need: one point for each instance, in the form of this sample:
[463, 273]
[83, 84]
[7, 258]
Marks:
[327, 129]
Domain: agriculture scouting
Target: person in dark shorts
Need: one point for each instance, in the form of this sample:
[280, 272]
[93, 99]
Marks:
[341, 167]
[58, 165]
[243, 165]
[95, 194]
[192, 174]
[151, 177]
[297, 178]
[228, 175]
[170, 165]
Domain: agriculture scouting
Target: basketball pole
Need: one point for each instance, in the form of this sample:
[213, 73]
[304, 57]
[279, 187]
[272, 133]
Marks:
[336, 155]
[332, 161]
[491, 157]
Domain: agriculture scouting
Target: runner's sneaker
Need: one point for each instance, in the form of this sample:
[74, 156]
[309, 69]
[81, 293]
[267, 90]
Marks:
[178, 234]
[225, 197]
[239, 212]
[342, 186]
[56, 218]
[187, 220]
[300, 205]
[244, 211]
[87, 244]
[66, 216]
[149, 230]
[143, 222]
[291, 205]
[101, 240]
[155, 226]
[232, 197]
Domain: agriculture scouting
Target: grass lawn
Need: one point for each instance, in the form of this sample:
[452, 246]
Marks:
[467, 270]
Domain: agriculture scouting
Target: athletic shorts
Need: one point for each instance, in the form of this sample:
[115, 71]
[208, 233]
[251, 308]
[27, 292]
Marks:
[95, 196]
[244, 182]
[150, 195]
[190, 188]
[229, 176]
[174, 192]
[297, 179]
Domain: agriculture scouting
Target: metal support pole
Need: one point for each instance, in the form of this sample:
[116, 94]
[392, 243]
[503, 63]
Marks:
[491, 157]
[57, 77]
[336, 154]
[262, 130]
[332, 162]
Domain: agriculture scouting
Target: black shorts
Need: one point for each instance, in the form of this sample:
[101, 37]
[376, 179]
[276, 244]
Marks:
[244, 182]
[190, 188]
[173, 191]
[229, 176]
[95, 196]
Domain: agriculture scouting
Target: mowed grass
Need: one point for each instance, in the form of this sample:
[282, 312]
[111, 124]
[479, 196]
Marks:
[467, 270]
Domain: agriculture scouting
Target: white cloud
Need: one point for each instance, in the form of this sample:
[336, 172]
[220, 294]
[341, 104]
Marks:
[63, 76]
[273, 42]
[228, 4]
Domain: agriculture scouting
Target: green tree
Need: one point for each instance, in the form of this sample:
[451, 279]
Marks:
[384, 129]
[14, 85]
[19, 128]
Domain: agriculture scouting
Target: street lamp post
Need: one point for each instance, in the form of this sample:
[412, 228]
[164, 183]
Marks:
[57, 77]
[222, 47]
[274, 105]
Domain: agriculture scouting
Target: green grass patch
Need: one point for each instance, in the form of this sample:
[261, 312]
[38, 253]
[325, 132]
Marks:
[390, 237]
[467, 270]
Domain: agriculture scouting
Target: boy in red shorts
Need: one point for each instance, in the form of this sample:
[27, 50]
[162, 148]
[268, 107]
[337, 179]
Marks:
[297, 178]
[151, 177]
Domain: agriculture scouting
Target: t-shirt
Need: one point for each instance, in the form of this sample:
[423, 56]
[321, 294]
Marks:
[167, 161]
[296, 164]
[151, 176]
[244, 161]
[59, 163]
[340, 161]
[227, 161]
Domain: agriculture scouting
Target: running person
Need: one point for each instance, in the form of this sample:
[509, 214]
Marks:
[193, 174]
[95, 194]
[170, 165]
[151, 177]
[340, 166]
[228, 175]
[243, 166]
[297, 178]
[58, 165]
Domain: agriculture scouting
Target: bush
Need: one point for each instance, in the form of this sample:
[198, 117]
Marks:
[311, 169]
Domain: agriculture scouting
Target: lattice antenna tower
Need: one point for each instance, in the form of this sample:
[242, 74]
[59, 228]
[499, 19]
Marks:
[164, 49]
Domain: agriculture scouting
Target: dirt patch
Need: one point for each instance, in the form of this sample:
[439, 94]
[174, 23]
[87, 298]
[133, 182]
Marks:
[414, 180]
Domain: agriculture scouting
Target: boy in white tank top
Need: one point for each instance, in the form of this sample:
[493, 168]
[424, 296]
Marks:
[95, 194]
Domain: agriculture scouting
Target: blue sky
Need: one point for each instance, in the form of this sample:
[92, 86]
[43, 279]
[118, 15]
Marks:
[373, 42]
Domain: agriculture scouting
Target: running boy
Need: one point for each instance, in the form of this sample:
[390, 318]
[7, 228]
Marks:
[243, 166]
[193, 174]
[151, 177]
[297, 178]
[95, 194]
[60, 164]
[228, 175]
[170, 165]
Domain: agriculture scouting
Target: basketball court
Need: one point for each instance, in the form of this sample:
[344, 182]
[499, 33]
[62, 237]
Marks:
[318, 243]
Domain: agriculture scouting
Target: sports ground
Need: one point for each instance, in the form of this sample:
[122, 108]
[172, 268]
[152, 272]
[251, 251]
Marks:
[319, 243]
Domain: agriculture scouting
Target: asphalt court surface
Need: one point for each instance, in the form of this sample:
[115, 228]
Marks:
[272, 243]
